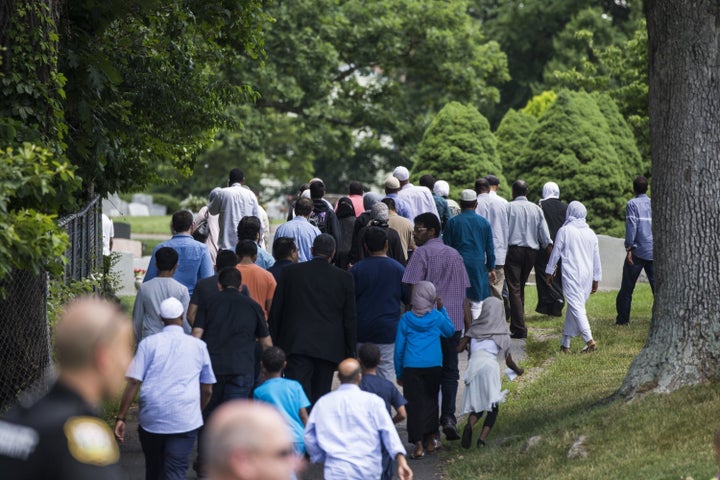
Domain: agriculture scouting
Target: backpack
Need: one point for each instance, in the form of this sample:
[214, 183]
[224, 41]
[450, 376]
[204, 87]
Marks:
[318, 218]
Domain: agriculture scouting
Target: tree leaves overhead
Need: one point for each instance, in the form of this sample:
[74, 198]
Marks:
[147, 89]
[360, 81]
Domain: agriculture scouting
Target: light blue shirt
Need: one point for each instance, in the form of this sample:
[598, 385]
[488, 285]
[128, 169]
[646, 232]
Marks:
[264, 259]
[288, 397]
[194, 262]
[494, 209]
[400, 206]
[638, 227]
[526, 225]
[171, 366]
[304, 234]
[346, 430]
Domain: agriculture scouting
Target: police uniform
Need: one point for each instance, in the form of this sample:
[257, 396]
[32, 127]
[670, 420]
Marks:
[59, 437]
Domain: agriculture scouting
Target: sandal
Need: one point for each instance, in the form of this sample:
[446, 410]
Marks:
[417, 456]
[590, 347]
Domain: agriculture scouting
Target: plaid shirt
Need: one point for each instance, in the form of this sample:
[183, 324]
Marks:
[443, 266]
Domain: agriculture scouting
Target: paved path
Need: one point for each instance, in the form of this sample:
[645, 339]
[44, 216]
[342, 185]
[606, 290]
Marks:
[428, 468]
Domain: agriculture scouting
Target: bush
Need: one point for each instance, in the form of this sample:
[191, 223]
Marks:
[512, 135]
[458, 147]
[172, 203]
[574, 146]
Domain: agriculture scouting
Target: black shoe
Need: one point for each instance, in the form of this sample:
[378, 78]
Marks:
[480, 443]
[450, 431]
[519, 335]
[466, 436]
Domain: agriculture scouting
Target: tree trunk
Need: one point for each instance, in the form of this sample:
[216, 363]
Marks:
[683, 346]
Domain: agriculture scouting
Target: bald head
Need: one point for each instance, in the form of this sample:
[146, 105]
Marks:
[93, 348]
[349, 371]
[248, 440]
[85, 324]
[519, 188]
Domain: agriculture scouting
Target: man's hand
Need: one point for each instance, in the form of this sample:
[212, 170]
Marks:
[492, 276]
[629, 257]
[548, 279]
[404, 471]
[120, 430]
[594, 286]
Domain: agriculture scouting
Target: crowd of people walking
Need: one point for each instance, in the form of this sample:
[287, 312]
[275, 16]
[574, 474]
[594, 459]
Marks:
[386, 290]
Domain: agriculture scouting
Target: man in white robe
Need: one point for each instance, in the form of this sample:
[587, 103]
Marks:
[577, 246]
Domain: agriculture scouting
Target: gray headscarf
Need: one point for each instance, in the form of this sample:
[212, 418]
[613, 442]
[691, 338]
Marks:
[370, 199]
[379, 212]
[423, 298]
[490, 325]
[576, 214]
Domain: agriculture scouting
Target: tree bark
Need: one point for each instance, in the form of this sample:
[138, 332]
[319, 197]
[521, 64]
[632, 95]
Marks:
[683, 346]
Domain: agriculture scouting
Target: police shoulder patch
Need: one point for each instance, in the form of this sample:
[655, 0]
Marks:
[91, 441]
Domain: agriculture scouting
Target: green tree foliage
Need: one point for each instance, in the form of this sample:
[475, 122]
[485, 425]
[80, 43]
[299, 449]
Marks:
[620, 70]
[526, 30]
[458, 147]
[539, 103]
[348, 88]
[148, 89]
[32, 186]
[575, 146]
[512, 136]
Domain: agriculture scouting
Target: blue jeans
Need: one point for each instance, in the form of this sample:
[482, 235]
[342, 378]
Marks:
[449, 377]
[167, 455]
[623, 302]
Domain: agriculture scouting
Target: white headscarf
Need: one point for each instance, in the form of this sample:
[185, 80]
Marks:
[576, 214]
[441, 188]
[550, 190]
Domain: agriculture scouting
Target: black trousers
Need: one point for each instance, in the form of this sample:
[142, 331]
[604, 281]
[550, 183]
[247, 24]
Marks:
[314, 374]
[420, 388]
[550, 299]
[518, 264]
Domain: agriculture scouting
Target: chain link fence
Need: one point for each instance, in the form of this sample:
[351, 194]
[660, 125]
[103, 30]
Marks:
[24, 331]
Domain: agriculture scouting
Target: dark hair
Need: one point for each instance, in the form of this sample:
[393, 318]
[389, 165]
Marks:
[355, 188]
[273, 359]
[482, 185]
[427, 181]
[429, 220]
[230, 277]
[369, 355]
[246, 248]
[181, 221]
[303, 207]
[248, 228]
[317, 189]
[236, 176]
[493, 180]
[166, 258]
[375, 238]
[519, 188]
[324, 244]
[390, 202]
[640, 184]
[283, 247]
[225, 258]
[303, 187]
[467, 204]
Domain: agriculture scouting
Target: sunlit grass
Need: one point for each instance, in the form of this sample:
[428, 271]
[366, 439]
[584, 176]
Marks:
[657, 436]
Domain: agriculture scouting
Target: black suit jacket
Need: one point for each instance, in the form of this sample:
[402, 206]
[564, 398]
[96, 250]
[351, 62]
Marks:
[313, 311]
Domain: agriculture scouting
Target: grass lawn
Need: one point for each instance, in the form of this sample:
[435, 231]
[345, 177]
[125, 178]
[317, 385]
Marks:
[153, 224]
[562, 397]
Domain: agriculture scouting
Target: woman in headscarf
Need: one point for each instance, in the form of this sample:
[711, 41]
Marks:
[550, 297]
[345, 212]
[418, 363]
[577, 246]
[489, 340]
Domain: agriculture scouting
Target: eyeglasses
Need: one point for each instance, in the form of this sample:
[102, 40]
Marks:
[419, 229]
